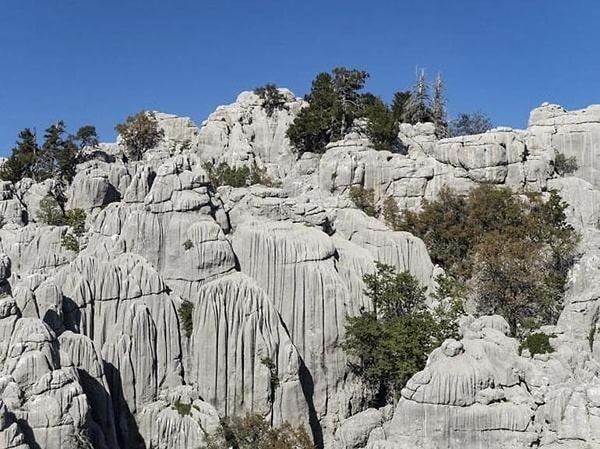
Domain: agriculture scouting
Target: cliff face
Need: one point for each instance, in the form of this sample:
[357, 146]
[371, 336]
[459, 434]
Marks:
[93, 350]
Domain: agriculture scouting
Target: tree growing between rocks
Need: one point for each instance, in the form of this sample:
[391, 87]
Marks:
[381, 127]
[334, 102]
[389, 343]
[139, 133]
[273, 100]
[522, 249]
[50, 211]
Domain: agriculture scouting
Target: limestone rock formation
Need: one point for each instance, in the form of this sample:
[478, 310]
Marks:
[94, 350]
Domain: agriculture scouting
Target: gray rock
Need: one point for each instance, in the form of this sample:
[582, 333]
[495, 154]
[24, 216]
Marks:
[251, 366]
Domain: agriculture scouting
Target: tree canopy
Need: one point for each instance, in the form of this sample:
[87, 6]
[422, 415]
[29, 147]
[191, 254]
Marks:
[55, 158]
[337, 100]
[512, 252]
[391, 341]
[334, 102]
[139, 133]
[466, 124]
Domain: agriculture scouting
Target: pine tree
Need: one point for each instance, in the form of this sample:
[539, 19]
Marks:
[47, 163]
[439, 109]
[382, 125]
[86, 136]
[400, 105]
[347, 84]
[21, 162]
[139, 133]
[334, 103]
[418, 109]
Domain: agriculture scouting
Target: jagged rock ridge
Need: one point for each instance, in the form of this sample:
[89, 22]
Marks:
[93, 350]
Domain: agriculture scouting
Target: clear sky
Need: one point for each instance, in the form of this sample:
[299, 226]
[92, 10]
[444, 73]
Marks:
[97, 61]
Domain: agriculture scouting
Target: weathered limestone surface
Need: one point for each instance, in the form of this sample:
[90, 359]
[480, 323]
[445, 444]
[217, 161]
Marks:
[247, 361]
[92, 347]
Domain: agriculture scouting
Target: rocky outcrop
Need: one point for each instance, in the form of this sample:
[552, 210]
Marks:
[243, 358]
[243, 132]
[472, 393]
[93, 350]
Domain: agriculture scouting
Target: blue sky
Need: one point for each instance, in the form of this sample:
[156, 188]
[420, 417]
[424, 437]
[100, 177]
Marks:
[97, 61]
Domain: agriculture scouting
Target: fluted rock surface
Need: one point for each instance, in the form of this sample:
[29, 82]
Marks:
[243, 358]
[93, 351]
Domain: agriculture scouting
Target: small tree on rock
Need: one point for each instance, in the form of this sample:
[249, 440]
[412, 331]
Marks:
[21, 163]
[139, 133]
[87, 136]
[272, 99]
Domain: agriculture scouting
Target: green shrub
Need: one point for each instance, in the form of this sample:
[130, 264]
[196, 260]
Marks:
[75, 218]
[565, 165]
[186, 315]
[182, 409]
[188, 244]
[537, 343]
[70, 242]
[272, 99]
[254, 432]
[391, 213]
[364, 199]
[50, 212]
[390, 343]
[224, 174]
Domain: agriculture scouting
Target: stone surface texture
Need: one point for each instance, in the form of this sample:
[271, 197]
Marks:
[95, 351]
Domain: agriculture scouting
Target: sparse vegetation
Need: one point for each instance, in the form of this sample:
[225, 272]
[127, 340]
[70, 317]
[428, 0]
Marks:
[139, 133]
[274, 376]
[50, 212]
[75, 218]
[467, 124]
[364, 199]
[70, 242]
[391, 213]
[592, 333]
[564, 165]
[182, 408]
[186, 315]
[537, 343]
[244, 176]
[254, 432]
[273, 100]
